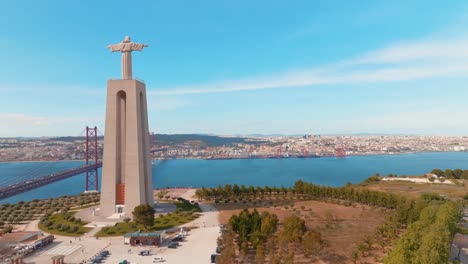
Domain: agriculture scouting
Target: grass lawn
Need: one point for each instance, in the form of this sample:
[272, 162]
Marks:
[58, 219]
[160, 223]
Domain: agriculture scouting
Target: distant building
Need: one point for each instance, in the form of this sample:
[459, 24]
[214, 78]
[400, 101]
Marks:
[22, 243]
[145, 238]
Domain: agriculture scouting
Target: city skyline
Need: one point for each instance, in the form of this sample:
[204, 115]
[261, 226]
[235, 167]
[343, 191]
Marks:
[241, 68]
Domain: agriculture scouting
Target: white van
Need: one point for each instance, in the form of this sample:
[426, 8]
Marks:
[158, 259]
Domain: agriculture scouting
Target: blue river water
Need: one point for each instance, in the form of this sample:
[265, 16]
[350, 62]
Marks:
[211, 173]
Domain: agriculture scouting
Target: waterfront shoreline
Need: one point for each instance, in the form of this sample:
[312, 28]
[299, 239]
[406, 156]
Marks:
[257, 158]
[255, 172]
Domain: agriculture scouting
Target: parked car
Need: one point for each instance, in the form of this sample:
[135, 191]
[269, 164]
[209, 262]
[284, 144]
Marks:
[172, 245]
[144, 253]
[213, 258]
[178, 238]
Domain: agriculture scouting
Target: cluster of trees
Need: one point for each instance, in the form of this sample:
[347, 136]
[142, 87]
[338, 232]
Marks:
[427, 240]
[144, 214]
[253, 228]
[403, 211]
[451, 174]
[259, 239]
[53, 222]
[309, 191]
[26, 211]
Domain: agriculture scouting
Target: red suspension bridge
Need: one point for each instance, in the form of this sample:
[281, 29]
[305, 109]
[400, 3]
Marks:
[41, 175]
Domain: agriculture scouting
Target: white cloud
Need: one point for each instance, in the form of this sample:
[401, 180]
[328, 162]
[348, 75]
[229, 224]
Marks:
[397, 62]
[17, 124]
[15, 118]
[448, 50]
[431, 120]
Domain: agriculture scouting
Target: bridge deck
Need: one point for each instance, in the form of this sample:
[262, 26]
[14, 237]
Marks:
[24, 186]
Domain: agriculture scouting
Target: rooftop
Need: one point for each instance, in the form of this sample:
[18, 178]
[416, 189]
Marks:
[144, 234]
[19, 237]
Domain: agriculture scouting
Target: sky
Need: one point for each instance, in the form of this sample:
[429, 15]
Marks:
[239, 67]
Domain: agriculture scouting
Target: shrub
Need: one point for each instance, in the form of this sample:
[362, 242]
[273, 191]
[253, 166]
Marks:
[126, 219]
[7, 229]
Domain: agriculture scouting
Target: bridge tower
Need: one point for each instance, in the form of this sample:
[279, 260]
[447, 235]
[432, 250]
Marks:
[91, 156]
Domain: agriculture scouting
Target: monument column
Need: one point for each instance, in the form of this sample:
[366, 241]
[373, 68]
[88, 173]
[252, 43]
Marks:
[126, 65]
[127, 170]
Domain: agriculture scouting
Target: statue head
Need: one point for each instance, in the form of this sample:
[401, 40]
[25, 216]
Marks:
[126, 39]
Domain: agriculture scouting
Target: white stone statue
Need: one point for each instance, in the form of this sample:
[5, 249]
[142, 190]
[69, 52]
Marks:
[126, 47]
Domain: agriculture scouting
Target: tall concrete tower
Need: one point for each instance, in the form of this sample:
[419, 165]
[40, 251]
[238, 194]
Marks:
[126, 175]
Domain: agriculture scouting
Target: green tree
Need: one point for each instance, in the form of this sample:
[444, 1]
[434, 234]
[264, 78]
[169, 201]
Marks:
[464, 175]
[236, 189]
[227, 190]
[260, 255]
[293, 229]
[457, 173]
[269, 223]
[355, 256]
[144, 214]
[312, 243]
[449, 174]
[252, 190]
[438, 172]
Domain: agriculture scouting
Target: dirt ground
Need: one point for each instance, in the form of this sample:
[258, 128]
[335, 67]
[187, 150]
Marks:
[415, 189]
[342, 227]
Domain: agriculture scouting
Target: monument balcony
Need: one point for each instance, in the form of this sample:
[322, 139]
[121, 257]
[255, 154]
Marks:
[136, 79]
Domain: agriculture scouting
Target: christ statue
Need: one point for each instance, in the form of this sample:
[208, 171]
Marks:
[126, 47]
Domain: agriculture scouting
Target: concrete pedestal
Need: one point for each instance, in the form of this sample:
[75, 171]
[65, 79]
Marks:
[126, 171]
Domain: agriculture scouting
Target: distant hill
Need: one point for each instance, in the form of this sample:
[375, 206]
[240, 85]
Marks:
[69, 139]
[173, 139]
[206, 140]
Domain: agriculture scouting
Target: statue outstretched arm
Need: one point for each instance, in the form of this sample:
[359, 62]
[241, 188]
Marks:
[115, 47]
